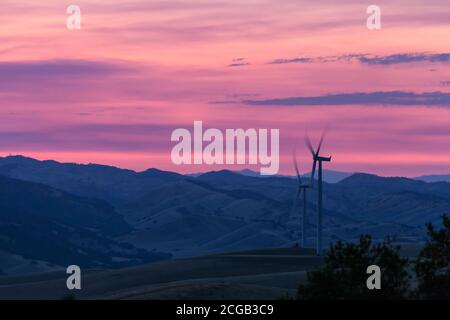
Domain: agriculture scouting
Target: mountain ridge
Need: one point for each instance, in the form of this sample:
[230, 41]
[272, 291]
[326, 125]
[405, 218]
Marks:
[225, 210]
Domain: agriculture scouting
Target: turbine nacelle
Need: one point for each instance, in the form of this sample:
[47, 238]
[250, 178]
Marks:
[319, 158]
[316, 153]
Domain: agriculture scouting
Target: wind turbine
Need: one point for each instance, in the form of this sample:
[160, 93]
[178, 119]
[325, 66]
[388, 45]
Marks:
[301, 187]
[320, 159]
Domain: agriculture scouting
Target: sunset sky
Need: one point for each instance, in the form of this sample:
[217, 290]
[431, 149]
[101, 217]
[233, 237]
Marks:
[113, 91]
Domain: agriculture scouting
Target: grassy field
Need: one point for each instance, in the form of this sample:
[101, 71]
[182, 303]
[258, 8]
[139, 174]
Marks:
[257, 274]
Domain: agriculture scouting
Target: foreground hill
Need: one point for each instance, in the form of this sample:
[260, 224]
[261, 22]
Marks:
[257, 274]
[263, 274]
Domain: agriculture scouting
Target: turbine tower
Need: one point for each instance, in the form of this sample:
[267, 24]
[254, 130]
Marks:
[301, 187]
[318, 158]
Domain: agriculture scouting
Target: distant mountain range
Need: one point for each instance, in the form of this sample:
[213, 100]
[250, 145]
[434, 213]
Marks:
[102, 216]
[329, 176]
[434, 178]
[332, 176]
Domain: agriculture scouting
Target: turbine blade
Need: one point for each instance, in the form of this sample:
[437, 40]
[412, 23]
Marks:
[313, 171]
[308, 144]
[321, 139]
[296, 170]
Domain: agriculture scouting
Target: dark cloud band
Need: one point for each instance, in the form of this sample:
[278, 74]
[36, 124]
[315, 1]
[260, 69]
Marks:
[370, 59]
[399, 98]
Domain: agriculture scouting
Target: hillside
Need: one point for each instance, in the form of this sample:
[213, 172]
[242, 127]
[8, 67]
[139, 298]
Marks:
[188, 218]
[38, 222]
[400, 200]
[218, 211]
[264, 274]
[109, 183]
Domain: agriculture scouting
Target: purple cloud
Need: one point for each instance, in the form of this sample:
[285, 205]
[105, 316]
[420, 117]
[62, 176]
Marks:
[379, 98]
[238, 62]
[370, 59]
[293, 60]
[58, 68]
[405, 58]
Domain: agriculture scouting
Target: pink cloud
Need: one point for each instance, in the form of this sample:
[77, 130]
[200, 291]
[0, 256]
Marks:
[113, 91]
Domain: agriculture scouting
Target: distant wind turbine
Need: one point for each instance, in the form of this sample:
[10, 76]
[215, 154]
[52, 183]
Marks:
[301, 187]
[320, 159]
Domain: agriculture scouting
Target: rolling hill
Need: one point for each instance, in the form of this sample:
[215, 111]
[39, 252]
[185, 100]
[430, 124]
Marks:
[263, 274]
[109, 183]
[218, 211]
[41, 223]
[400, 200]
[434, 178]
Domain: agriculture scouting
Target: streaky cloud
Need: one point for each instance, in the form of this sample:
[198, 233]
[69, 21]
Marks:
[57, 68]
[240, 64]
[405, 58]
[395, 98]
[293, 60]
[223, 102]
[370, 60]
[320, 59]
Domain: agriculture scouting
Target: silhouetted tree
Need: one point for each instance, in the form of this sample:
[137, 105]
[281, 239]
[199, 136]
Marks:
[433, 264]
[344, 275]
